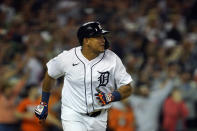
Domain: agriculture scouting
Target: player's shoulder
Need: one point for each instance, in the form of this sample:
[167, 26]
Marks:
[66, 52]
[110, 53]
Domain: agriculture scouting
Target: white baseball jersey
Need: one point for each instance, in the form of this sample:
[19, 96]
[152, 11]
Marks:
[82, 77]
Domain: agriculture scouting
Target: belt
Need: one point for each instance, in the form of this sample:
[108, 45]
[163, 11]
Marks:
[94, 114]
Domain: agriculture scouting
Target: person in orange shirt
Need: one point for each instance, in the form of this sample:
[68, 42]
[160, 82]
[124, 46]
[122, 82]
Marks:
[25, 111]
[121, 117]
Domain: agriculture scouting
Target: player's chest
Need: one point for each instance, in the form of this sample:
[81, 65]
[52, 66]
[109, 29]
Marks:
[99, 73]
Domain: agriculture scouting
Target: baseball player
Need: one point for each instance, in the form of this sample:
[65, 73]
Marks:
[94, 77]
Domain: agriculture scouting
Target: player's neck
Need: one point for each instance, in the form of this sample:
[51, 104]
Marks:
[88, 54]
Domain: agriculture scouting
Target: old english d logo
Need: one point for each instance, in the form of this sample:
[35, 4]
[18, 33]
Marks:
[103, 78]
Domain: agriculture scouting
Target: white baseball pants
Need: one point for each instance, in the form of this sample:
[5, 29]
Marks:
[73, 121]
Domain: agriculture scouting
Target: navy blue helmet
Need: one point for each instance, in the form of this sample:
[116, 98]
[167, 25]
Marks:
[91, 29]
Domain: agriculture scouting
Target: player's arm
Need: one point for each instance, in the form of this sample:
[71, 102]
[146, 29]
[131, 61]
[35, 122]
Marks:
[48, 83]
[125, 91]
[41, 111]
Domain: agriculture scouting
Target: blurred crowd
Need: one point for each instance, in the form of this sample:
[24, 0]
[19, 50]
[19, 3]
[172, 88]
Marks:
[156, 40]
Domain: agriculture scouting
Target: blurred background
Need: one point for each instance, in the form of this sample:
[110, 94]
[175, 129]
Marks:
[156, 40]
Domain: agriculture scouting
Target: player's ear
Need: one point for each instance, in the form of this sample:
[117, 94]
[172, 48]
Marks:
[86, 41]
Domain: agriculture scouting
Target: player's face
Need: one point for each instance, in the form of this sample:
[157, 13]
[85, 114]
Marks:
[97, 44]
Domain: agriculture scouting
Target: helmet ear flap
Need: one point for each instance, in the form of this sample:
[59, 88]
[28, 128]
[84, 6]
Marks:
[106, 43]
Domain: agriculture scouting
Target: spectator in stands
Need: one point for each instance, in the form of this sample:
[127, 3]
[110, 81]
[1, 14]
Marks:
[146, 105]
[121, 117]
[7, 100]
[175, 112]
[10, 87]
[25, 111]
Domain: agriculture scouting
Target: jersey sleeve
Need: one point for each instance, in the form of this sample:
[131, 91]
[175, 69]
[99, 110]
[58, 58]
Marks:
[54, 66]
[121, 76]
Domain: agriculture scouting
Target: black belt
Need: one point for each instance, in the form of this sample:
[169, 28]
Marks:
[94, 114]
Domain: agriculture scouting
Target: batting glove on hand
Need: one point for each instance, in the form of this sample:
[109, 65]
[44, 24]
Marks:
[103, 98]
[41, 111]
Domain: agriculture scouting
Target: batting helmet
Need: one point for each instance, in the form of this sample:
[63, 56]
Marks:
[91, 29]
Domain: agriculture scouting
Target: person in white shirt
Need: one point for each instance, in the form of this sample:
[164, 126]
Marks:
[93, 78]
[147, 104]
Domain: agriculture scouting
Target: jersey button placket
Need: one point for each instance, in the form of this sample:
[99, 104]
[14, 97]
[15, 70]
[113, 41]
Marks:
[88, 88]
